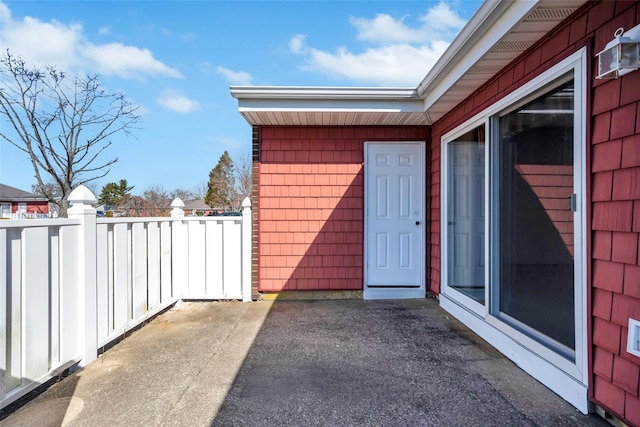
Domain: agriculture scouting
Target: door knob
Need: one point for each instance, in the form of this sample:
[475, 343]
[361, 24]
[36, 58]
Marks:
[417, 222]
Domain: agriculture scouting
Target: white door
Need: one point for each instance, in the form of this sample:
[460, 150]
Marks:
[394, 220]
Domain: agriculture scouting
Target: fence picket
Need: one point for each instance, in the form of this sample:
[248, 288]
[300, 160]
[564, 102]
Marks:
[73, 285]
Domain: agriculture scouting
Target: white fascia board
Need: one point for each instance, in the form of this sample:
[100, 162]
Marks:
[491, 23]
[275, 93]
[327, 105]
[327, 99]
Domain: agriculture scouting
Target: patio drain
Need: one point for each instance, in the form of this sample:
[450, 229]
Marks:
[49, 413]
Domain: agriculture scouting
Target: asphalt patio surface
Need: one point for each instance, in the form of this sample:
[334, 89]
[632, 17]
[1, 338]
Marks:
[300, 363]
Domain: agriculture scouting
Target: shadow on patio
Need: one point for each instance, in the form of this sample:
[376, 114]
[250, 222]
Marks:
[347, 362]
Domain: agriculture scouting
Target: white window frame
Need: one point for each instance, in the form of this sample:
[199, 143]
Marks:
[5, 209]
[567, 378]
[469, 303]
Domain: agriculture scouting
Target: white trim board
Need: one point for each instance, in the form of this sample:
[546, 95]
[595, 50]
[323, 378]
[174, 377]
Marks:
[561, 383]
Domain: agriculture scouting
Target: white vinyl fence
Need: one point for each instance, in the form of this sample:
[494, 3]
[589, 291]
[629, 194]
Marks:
[70, 286]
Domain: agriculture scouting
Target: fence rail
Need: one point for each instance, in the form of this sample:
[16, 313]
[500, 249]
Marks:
[71, 286]
[27, 215]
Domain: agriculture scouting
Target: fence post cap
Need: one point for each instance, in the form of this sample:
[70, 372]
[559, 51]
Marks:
[177, 208]
[246, 203]
[81, 195]
[177, 203]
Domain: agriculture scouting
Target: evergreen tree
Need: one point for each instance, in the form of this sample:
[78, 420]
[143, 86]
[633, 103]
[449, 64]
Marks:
[113, 194]
[221, 188]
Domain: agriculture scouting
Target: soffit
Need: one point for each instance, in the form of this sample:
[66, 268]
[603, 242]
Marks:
[495, 40]
[329, 106]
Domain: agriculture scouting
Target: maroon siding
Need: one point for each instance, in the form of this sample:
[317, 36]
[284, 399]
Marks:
[311, 204]
[613, 192]
[32, 207]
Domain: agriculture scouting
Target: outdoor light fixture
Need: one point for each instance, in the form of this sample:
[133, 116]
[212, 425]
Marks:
[621, 55]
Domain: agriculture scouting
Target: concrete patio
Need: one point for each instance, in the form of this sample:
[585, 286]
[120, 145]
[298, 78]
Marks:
[302, 363]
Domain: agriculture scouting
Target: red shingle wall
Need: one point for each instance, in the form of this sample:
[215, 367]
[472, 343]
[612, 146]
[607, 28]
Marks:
[613, 190]
[32, 207]
[615, 197]
[311, 204]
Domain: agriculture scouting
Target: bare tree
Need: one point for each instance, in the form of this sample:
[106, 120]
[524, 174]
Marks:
[158, 199]
[52, 190]
[137, 206]
[244, 181]
[183, 193]
[200, 190]
[63, 126]
[47, 188]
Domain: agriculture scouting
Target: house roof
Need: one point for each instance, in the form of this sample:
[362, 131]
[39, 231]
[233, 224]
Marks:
[13, 194]
[197, 204]
[497, 34]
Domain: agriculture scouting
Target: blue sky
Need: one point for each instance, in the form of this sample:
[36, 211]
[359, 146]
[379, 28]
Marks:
[177, 59]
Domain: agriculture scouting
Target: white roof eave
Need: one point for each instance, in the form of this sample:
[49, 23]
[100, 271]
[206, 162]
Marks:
[278, 105]
[494, 22]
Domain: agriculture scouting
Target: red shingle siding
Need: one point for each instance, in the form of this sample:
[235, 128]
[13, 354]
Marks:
[311, 216]
[632, 407]
[616, 148]
[631, 150]
[607, 156]
[603, 363]
[609, 395]
[602, 186]
[614, 200]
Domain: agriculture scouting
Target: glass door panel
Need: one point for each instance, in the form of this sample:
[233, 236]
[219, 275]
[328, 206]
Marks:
[466, 214]
[535, 220]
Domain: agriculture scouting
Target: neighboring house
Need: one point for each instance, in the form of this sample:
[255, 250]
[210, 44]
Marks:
[16, 203]
[195, 207]
[507, 183]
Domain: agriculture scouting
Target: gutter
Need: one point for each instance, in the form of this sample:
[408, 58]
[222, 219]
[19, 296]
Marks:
[318, 92]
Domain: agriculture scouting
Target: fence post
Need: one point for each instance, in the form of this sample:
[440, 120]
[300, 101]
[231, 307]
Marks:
[179, 250]
[81, 200]
[246, 250]
[177, 206]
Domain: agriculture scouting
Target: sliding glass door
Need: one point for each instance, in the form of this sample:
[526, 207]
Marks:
[466, 214]
[509, 208]
[533, 217]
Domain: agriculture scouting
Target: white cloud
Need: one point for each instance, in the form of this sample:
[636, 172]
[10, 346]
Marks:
[176, 102]
[67, 47]
[296, 43]
[385, 29]
[5, 14]
[442, 19]
[235, 77]
[399, 54]
[126, 61]
[397, 65]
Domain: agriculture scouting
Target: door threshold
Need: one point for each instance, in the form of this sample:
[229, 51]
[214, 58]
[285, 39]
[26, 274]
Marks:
[394, 293]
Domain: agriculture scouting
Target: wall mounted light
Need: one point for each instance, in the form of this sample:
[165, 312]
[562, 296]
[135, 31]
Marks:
[621, 55]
